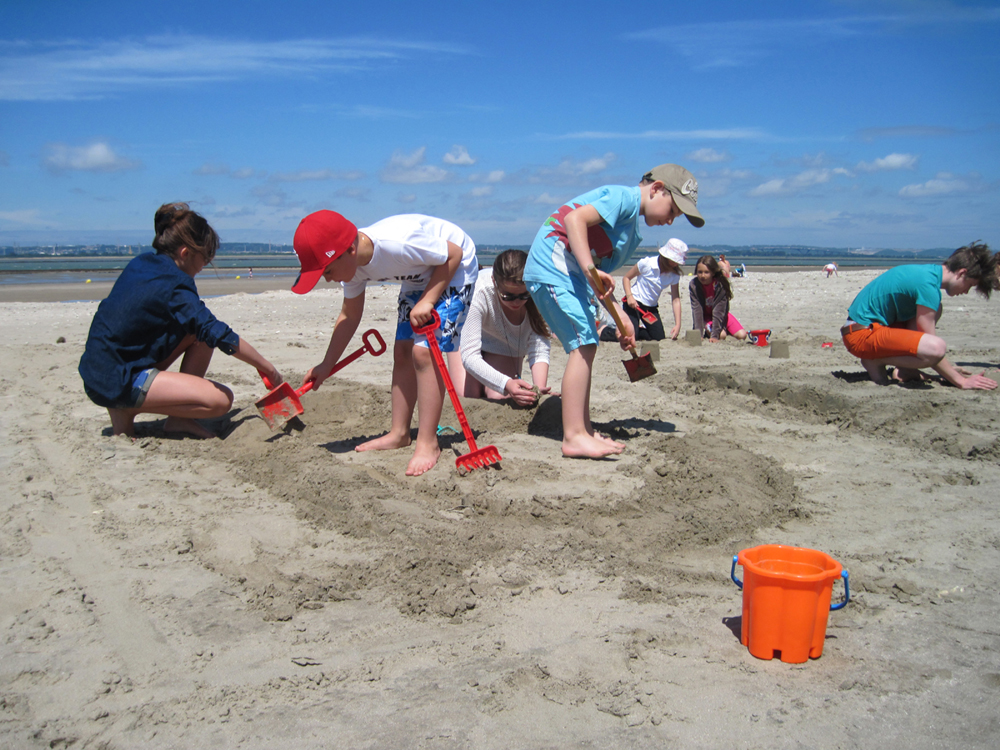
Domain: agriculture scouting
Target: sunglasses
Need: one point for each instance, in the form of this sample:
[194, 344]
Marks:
[508, 297]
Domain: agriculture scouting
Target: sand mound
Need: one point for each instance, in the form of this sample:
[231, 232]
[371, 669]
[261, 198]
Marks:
[440, 543]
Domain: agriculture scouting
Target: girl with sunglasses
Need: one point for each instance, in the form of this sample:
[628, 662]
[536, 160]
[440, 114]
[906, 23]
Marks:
[502, 328]
[153, 317]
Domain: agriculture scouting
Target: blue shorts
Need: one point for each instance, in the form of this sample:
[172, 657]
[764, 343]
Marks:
[453, 306]
[140, 387]
[571, 314]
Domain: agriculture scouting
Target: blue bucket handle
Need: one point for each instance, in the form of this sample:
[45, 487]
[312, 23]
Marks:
[844, 574]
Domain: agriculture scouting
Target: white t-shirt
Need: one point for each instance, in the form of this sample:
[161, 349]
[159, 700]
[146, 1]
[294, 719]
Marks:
[407, 249]
[488, 330]
[650, 283]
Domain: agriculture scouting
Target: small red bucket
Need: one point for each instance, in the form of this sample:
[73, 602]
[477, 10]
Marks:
[786, 600]
[761, 337]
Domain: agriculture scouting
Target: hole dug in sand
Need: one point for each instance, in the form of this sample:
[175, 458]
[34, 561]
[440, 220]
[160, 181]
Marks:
[629, 520]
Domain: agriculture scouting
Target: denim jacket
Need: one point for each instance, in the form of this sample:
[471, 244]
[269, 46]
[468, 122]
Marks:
[151, 308]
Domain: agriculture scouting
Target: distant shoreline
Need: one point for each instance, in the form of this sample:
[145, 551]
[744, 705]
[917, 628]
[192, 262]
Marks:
[77, 289]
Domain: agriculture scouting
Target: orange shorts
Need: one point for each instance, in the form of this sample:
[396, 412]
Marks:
[883, 342]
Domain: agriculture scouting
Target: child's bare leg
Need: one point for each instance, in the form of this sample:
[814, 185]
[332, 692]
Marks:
[183, 398]
[430, 401]
[876, 371]
[404, 399]
[740, 334]
[455, 369]
[123, 421]
[578, 438]
[619, 447]
[197, 358]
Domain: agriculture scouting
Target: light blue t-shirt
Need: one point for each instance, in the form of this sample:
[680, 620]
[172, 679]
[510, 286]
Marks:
[612, 241]
[893, 297]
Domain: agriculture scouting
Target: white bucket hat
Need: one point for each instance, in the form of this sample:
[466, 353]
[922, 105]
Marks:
[675, 250]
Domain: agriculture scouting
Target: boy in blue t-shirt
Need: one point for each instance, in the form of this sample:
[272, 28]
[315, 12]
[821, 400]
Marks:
[892, 320]
[599, 227]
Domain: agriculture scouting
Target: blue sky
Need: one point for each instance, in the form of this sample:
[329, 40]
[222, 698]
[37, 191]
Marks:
[835, 123]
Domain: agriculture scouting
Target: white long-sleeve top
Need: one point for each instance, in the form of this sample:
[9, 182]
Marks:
[487, 329]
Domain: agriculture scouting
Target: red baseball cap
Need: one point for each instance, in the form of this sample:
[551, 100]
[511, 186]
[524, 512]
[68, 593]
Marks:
[321, 238]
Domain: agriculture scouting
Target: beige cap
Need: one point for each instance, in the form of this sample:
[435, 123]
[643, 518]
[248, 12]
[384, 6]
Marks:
[682, 186]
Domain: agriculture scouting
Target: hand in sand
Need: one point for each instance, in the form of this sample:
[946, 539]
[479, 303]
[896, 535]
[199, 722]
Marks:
[978, 383]
[521, 392]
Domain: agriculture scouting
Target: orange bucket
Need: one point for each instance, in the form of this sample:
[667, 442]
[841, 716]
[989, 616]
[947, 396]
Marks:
[786, 600]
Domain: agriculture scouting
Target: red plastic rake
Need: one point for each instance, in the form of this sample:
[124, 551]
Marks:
[476, 458]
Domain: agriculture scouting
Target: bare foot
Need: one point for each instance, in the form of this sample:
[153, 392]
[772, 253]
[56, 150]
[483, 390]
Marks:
[122, 422]
[876, 372]
[387, 442]
[910, 375]
[609, 441]
[424, 459]
[182, 426]
[587, 446]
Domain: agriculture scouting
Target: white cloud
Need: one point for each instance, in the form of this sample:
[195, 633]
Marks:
[93, 70]
[943, 183]
[729, 44]
[406, 198]
[890, 162]
[459, 156]
[483, 190]
[219, 169]
[410, 169]
[28, 216]
[494, 176]
[94, 157]
[734, 134]
[707, 156]
[315, 175]
[808, 178]
[547, 200]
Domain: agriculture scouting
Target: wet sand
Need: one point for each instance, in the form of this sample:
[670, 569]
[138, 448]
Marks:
[273, 588]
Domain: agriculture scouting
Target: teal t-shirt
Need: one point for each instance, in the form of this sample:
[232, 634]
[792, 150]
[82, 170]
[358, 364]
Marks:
[893, 297]
[611, 241]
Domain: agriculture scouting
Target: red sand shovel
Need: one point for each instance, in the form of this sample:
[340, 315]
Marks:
[283, 403]
[640, 366]
[476, 458]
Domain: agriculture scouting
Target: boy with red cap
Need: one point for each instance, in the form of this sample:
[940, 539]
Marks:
[435, 263]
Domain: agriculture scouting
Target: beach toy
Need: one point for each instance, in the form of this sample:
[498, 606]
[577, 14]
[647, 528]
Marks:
[647, 316]
[826, 345]
[87, 281]
[638, 367]
[786, 600]
[476, 458]
[760, 337]
[283, 403]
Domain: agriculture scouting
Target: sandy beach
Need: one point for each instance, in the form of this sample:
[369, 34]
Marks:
[280, 589]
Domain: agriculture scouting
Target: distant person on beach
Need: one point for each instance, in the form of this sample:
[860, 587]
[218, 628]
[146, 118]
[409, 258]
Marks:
[710, 293]
[831, 269]
[601, 228]
[643, 285]
[892, 322]
[503, 327]
[724, 266]
[250, 274]
[435, 263]
[152, 317]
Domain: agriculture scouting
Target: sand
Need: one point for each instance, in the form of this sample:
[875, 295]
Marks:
[283, 590]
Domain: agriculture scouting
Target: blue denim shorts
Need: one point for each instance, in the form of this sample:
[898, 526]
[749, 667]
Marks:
[140, 387]
[453, 306]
